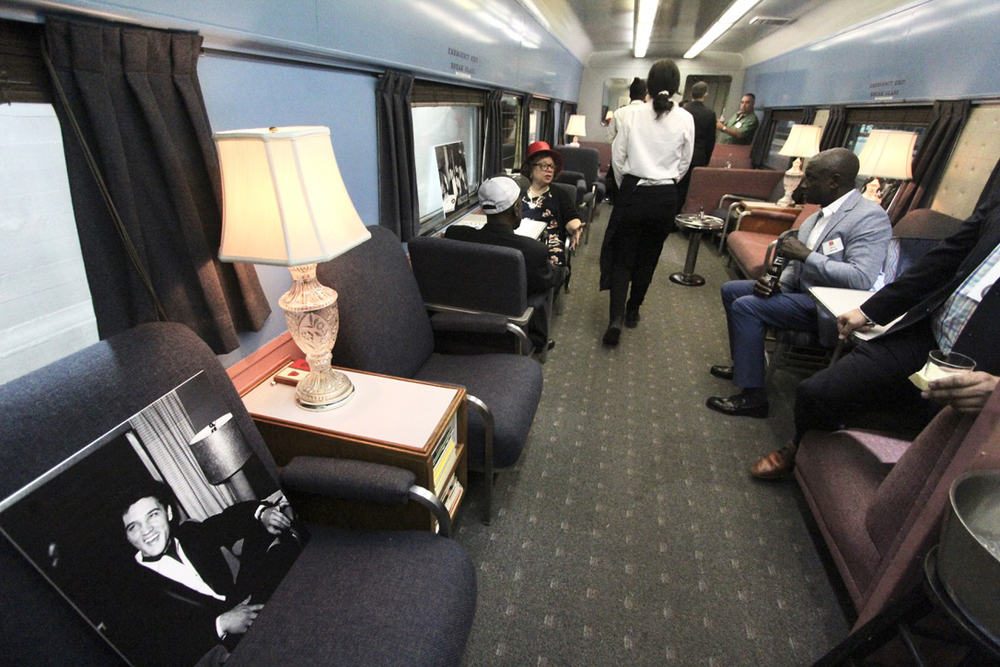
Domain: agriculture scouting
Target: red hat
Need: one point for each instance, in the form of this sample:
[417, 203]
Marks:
[543, 148]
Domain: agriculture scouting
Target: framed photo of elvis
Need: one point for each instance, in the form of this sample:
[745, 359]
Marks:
[453, 174]
[167, 534]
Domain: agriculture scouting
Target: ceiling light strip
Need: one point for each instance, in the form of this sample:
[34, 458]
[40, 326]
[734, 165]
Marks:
[645, 16]
[731, 16]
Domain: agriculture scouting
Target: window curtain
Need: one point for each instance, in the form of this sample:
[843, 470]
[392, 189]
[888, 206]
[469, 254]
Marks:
[835, 131]
[493, 153]
[808, 115]
[525, 123]
[547, 132]
[947, 121]
[397, 171]
[762, 140]
[134, 96]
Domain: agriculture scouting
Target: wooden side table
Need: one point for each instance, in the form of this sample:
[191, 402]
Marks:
[417, 426]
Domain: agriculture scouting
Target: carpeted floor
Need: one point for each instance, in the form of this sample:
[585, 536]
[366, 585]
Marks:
[630, 532]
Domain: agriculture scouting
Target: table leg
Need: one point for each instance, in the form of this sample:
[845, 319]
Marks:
[688, 277]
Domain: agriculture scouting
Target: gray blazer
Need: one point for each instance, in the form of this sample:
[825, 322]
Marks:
[861, 230]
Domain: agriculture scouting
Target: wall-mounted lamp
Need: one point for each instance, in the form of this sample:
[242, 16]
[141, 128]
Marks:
[285, 203]
[577, 126]
[802, 142]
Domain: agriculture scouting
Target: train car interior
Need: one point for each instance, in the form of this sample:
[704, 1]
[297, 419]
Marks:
[499, 332]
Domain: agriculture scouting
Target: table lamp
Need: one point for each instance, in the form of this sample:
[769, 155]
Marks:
[802, 142]
[608, 116]
[285, 203]
[221, 453]
[577, 126]
[888, 154]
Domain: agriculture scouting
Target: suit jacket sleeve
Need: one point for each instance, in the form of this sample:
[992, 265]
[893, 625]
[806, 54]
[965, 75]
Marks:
[567, 207]
[865, 233]
[543, 275]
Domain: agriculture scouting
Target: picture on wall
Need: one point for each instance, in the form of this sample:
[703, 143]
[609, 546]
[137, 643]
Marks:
[453, 174]
[167, 534]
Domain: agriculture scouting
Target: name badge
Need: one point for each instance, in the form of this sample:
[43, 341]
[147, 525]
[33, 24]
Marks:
[738, 123]
[832, 246]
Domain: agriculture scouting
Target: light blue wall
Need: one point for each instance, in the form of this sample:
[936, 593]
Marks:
[938, 49]
[242, 93]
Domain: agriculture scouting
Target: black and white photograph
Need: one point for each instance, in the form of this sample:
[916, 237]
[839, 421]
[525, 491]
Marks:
[453, 174]
[167, 534]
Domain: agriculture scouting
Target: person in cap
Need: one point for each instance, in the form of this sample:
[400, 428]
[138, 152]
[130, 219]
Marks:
[500, 199]
[650, 154]
[547, 204]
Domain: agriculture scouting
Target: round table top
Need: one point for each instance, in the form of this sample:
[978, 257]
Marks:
[699, 221]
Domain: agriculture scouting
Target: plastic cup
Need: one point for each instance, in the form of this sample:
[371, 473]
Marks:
[941, 363]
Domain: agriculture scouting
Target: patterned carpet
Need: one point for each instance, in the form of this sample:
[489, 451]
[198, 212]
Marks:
[630, 531]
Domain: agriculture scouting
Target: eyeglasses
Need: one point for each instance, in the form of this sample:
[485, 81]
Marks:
[545, 166]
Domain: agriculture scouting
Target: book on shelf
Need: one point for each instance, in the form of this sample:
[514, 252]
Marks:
[444, 468]
[453, 494]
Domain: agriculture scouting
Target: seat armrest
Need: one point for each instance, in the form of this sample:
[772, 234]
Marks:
[727, 199]
[347, 479]
[766, 222]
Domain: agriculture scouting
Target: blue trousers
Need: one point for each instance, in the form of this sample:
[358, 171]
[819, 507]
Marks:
[748, 317]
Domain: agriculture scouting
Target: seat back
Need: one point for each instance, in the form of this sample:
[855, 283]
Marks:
[473, 276]
[709, 185]
[583, 160]
[384, 327]
[52, 414]
[916, 233]
[603, 149]
[736, 156]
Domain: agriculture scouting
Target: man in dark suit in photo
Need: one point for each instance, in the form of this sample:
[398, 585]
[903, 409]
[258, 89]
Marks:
[950, 303]
[500, 199]
[704, 137]
[189, 603]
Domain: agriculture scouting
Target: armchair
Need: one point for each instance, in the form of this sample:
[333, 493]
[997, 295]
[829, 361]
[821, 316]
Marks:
[709, 186]
[476, 288]
[731, 156]
[386, 330]
[338, 604]
[751, 244]
[587, 162]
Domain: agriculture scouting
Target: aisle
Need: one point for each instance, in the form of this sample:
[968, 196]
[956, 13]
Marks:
[630, 531]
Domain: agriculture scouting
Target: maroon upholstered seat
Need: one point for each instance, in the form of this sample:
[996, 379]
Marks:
[879, 500]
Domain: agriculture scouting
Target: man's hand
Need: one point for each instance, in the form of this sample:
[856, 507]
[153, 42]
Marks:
[275, 520]
[763, 290]
[966, 392]
[239, 619]
[792, 248]
[574, 234]
[850, 322]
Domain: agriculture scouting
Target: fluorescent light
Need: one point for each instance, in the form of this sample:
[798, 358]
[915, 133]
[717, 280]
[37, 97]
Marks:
[729, 18]
[645, 15]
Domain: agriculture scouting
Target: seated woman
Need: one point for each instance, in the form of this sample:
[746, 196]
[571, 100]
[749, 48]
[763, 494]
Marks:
[549, 205]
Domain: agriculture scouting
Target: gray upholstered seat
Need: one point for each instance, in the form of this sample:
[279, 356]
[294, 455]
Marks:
[351, 598]
[384, 328]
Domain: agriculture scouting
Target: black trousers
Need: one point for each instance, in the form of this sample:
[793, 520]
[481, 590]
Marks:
[869, 387]
[647, 219]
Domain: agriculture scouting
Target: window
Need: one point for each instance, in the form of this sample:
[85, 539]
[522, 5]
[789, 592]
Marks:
[448, 149]
[44, 298]
[781, 124]
[510, 119]
[861, 122]
[538, 120]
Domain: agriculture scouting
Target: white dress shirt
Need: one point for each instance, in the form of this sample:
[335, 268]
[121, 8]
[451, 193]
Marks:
[612, 130]
[656, 151]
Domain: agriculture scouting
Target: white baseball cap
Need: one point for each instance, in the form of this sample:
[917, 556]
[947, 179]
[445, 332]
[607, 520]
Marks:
[498, 194]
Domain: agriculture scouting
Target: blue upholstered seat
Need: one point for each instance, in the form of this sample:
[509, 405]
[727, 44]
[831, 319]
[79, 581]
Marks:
[384, 328]
[351, 598]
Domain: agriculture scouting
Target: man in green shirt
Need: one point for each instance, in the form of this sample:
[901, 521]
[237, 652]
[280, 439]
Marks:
[742, 126]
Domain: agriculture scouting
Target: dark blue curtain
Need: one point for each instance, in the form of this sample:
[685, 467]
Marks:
[493, 151]
[397, 172]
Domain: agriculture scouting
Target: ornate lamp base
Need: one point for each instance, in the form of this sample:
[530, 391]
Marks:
[791, 181]
[313, 320]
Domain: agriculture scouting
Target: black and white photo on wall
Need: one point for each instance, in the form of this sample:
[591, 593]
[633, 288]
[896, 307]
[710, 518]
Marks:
[453, 174]
[167, 534]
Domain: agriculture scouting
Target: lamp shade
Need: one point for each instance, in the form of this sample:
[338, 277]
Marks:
[803, 141]
[888, 154]
[284, 201]
[609, 115]
[220, 449]
[577, 125]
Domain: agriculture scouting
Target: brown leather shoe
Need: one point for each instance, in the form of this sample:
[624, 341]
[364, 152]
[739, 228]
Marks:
[775, 465]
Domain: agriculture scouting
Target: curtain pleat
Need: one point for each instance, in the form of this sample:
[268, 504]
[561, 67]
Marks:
[547, 132]
[493, 158]
[397, 172]
[835, 131]
[808, 115]
[762, 141]
[947, 121]
[134, 93]
[525, 122]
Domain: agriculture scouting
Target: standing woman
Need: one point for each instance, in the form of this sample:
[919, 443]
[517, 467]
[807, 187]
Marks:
[650, 154]
[549, 205]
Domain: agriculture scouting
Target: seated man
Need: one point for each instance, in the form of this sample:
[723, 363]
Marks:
[843, 245]
[500, 199]
[949, 305]
[188, 601]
